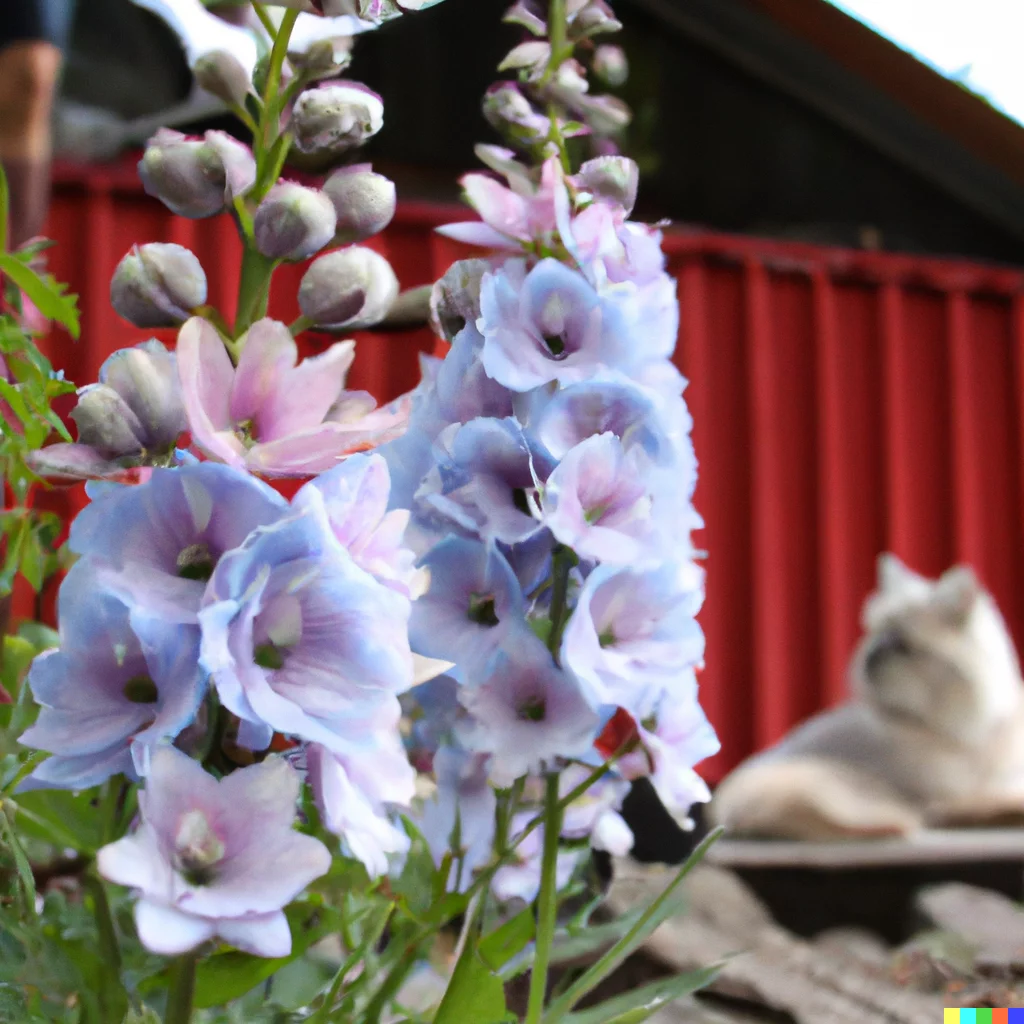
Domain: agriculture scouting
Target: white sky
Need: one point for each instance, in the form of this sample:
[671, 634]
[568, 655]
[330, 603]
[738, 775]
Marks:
[978, 42]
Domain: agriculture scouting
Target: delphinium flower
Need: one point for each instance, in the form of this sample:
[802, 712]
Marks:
[215, 858]
[121, 680]
[550, 474]
[160, 541]
[268, 414]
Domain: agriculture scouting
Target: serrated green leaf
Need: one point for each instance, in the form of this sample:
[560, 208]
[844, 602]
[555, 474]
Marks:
[642, 1003]
[49, 296]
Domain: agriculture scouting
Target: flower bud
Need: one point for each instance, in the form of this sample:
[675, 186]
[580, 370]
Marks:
[614, 179]
[455, 298]
[106, 422]
[222, 74]
[508, 111]
[158, 285]
[324, 58]
[352, 287]
[294, 222]
[335, 118]
[610, 65]
[595, 18]
[146, 377]
[364, 202]
[196, 178]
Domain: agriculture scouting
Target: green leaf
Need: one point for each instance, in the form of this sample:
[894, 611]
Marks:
[13, 843]
[61, 818]
[39, 635]
[636, 1006]
[17, 656]
[506, 942]
[5, 205]
[227, 976]
[660, 910]
[49, 296]
[475, 994]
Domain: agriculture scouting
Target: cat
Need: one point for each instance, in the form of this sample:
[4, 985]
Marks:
[933, 735]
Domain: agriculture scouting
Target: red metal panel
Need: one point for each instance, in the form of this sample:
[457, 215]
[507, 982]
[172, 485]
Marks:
[845, 404]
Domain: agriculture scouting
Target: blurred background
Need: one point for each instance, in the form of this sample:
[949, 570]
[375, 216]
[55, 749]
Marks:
[846, 226]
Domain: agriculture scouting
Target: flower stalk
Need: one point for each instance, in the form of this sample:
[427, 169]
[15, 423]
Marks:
[547, 901]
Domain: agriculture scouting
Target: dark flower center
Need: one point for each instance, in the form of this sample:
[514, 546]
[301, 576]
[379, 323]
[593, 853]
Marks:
[607, 638]
[141, 690]
[520, 502]
[481, 610]
[195, 562]
[533, 709]
[555, 344]
[268, 655]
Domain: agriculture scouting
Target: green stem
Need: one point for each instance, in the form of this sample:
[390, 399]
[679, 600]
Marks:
[253, 290]
[111, 995]
[261, 13]
[392, 984]
[182, 990]
[563, 561]
[547, 901]
[272, 112]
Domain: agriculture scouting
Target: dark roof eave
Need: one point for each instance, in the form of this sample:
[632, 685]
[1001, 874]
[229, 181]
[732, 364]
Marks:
[755, 43]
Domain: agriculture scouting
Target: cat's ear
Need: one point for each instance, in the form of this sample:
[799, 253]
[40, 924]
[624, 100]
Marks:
[956, 593]
[894, 577]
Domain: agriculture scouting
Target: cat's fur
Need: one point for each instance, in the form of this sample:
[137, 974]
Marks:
[933, 733]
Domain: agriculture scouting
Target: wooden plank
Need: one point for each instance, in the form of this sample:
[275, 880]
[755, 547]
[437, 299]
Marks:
[936, 846]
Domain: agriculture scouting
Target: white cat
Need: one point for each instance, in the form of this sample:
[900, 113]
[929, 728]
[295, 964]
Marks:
[933, 734]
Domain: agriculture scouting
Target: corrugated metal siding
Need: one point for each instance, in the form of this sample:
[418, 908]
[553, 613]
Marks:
[845, 404]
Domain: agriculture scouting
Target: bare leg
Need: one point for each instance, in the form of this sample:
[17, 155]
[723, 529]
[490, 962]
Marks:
[29, 72]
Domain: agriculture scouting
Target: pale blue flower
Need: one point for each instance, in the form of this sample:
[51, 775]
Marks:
[299, 639]
[120, 681]
[161, 540]
[215, 859]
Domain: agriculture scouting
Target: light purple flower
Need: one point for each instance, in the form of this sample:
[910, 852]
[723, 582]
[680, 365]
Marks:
[357, 790]
[512, 217]
[598, 501]
[464, 391]
[549, 324]
[473, 609]
[633, 634]
[676, 738]
[595, 814]
[484, 470]
[215, 859]
[351, 500]
[120, 681]
[270, 415]
[607, 403]
[527, 714]
[460, 816]
[162, 539]
[299, 640]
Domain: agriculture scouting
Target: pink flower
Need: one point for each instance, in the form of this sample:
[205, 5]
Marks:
[268, 414]
[512, 217]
